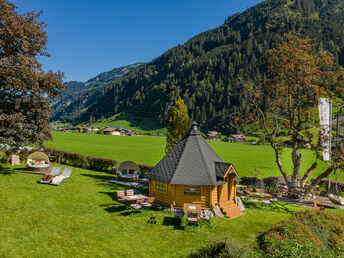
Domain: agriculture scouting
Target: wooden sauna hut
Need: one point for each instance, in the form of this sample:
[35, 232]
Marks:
[192, 172]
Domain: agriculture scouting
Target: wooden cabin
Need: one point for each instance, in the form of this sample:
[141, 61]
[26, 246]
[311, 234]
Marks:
[192, 172]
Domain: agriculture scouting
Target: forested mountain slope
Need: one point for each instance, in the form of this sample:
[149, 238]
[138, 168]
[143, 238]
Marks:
[206, 70]
[79, 95]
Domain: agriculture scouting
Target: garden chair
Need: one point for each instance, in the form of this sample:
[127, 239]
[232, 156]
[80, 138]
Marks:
[192, 217]
[148, 202]
[59, 179]
[136, 207]
[179, 213]
[130, 192]
[120, 195]
[318, 206]
[205, 217]
[46, 179]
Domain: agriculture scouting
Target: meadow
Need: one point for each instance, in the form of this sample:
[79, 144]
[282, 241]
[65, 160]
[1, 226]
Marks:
[81, 218]
[249, 160]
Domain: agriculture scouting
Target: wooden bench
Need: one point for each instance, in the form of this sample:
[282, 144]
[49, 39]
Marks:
[285, 189]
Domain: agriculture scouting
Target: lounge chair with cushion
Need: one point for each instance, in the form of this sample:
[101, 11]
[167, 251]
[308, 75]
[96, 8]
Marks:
[46, 179]
[59, 179]
[38, 161]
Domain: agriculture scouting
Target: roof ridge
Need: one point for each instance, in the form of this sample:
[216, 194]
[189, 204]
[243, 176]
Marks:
[204, 161]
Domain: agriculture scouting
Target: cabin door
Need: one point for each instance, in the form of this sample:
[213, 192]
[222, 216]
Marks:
[224, 190]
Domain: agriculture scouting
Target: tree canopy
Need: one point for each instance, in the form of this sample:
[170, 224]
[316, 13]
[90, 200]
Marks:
[179, 124]
[286, 104]
[25, 89]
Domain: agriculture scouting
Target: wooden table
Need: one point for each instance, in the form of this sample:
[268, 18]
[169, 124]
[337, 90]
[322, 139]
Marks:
[134, 197]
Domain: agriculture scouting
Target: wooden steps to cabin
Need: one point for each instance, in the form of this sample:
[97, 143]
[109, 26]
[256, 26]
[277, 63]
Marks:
[230, 209]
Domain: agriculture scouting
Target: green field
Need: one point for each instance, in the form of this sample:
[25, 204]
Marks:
[141, 125]
[81, 218]
[249, 160]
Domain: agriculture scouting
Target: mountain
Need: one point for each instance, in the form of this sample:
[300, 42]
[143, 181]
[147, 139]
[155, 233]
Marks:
[207, 70]
[79, 95]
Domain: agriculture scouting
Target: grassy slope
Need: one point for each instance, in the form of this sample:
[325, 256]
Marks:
[81, 218]
[139, 125]
[149, 150]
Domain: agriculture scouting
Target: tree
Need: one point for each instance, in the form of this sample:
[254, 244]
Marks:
[179, 124]
[25, 90]
[287, 103]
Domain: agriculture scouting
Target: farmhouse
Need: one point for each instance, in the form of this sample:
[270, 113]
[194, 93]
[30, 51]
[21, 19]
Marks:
[192, 172]
[213, 135]
[113, 131]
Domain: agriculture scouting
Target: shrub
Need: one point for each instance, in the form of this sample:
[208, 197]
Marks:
[328, 226]
[101, 164]
[289, 239]
[73, 159]
[144, 170]
[223, 248]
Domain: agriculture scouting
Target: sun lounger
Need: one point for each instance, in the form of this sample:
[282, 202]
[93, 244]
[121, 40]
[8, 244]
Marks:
[274, 199]
[254, 200]
[46, 179]
[59, 179]
[266, 201]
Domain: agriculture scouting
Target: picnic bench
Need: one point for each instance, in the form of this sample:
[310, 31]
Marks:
[288, 190]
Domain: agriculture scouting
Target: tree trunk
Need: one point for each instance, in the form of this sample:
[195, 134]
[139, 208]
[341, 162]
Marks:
[307, 174]
[296, 158]
[318, 179]
[280, 166]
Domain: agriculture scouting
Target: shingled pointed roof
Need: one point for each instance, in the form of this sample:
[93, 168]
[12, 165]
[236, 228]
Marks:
[191, 162]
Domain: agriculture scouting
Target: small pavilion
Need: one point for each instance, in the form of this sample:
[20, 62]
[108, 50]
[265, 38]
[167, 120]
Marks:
[192, 172]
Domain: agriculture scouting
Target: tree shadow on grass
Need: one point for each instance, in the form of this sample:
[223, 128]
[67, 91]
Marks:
[99, 177]
[6, 171]
[172, 221]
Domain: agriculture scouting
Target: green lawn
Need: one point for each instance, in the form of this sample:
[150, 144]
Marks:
[81, 218]
[247, 159]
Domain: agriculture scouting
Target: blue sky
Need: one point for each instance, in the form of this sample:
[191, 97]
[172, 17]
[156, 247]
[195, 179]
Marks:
[87, 37]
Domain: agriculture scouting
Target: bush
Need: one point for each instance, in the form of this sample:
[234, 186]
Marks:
[328, 226]
[223, 248]
[100, 164]
[73, 159]
[289, 239]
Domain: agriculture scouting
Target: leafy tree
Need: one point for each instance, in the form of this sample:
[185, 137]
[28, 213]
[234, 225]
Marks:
[25, 90]
[287, 103]
[179, 124]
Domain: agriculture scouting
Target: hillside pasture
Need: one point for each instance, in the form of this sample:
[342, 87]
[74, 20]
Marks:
[249, 160]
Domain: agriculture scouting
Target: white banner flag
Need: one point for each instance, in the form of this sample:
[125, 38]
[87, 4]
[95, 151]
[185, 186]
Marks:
[325, 120]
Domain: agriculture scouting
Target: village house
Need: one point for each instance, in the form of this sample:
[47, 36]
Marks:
[213, 135]
[237, 138]
[88, 129]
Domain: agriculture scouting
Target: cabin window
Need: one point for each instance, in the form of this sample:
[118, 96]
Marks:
[192, 190]
[160, 186]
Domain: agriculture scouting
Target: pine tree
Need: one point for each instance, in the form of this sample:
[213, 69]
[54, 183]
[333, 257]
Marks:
[179, 124]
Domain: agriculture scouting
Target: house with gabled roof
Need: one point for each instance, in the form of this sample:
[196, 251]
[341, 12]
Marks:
[192, 172]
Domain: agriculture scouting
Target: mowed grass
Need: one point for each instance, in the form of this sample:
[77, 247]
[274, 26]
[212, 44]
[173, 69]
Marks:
[81, 218]
[249, 160]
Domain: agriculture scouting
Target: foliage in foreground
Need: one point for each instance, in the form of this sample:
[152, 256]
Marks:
[223, 248]
[327, 226]
[289, 239]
